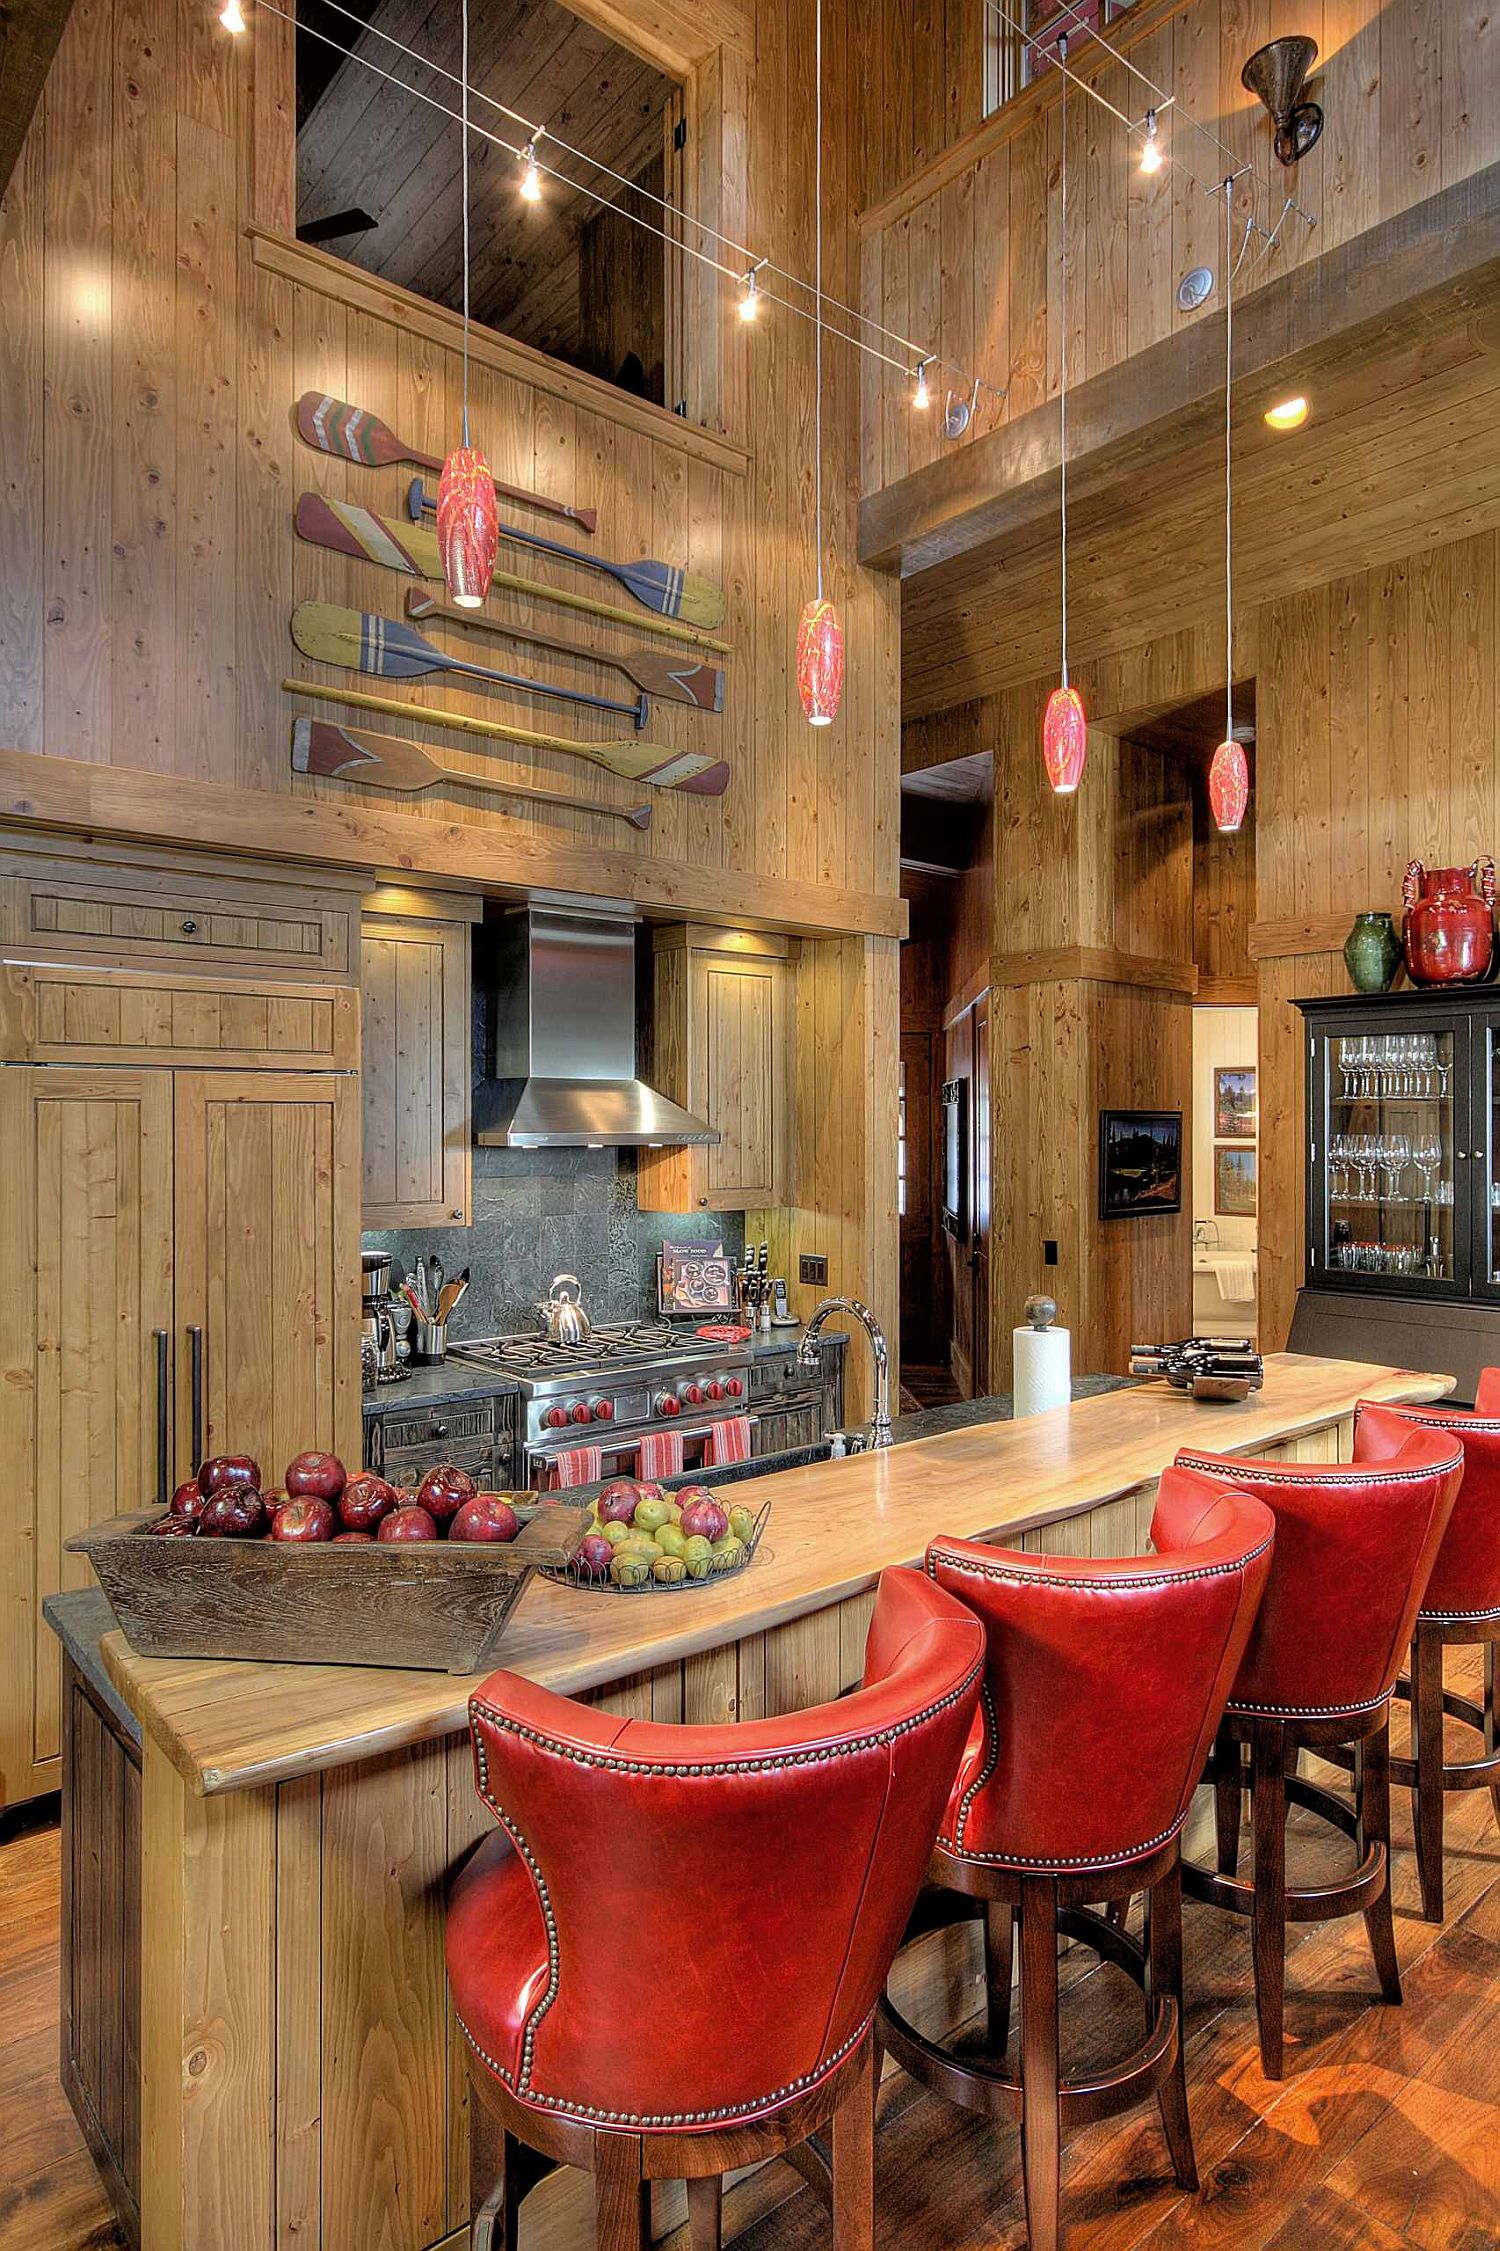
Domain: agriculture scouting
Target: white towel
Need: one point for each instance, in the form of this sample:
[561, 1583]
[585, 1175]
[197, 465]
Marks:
[1236, 1278]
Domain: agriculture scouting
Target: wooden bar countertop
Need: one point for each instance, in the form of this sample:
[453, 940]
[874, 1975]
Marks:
[834, 1527]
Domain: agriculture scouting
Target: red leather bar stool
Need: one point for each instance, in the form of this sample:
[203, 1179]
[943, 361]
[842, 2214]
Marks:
[1354, 1547]
[1104, 1682]
[1461, 1607]
[666, 1960]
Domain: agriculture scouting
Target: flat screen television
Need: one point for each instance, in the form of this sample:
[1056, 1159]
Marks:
[1140, 1163]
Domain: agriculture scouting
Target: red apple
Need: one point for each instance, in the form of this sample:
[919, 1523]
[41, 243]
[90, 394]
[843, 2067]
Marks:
[407, 1524]
[321, 1476]
[236, 1512]
[617, 1500]
[702, 1516]
[343, 1539]
[364, 1501]
[487, 1516]
[175, 1527]
[444, 1490]
[189, 1501]
[304, 1517]
[228, 1469]
[595, 1554]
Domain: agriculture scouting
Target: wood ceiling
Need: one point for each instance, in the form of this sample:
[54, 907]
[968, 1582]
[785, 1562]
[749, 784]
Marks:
[364, 143]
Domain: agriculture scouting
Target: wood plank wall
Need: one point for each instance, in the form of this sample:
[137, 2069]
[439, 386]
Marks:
[968, 249]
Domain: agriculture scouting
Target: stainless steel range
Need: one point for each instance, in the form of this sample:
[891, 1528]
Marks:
[623, 1380]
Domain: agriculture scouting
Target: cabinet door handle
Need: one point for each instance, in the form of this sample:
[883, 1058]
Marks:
[162, 1343]
[195, 1348]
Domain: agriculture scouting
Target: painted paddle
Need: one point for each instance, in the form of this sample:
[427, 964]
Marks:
[660, 586]
[652, 670]
[393, 651]
[333, 426]
[413, 549]
[638, 762]
[390, 762]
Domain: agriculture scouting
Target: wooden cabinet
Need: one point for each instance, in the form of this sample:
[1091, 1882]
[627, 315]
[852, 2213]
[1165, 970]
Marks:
[415, 1061]
[720, 1044]
[478, 1434]
[153, 1220]
[67, 1012]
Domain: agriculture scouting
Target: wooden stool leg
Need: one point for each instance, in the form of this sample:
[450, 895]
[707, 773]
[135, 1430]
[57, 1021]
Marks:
[854, 2162]
[494, 2182]
[1491, 1716]
[705, 2198]
[1427, 1792]
[1164, 1958]
[999, 1958]
[1376, 1792]
[1229, 1782]
[1268, 1916]
[621, 2204]
[1041, 2120]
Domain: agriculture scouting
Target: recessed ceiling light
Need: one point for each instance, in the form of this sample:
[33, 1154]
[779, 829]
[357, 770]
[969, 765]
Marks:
[1287, 414]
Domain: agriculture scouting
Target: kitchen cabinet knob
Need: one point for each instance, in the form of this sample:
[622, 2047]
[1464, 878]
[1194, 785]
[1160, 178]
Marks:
[702, 1202]
[439, 1430]
[189, 925]
[457, 1212]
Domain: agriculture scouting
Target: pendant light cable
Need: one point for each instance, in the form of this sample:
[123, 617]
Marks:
[1228, 460]
[818, 296]
[464, 98]
[1062, 48]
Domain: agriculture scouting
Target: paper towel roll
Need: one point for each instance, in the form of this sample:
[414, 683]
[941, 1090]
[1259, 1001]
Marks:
[1043, 1365]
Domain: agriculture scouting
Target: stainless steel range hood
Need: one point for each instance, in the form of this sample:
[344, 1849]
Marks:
[559, 989]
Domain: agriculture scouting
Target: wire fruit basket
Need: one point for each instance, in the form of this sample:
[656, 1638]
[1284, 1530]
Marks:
[576, 1574]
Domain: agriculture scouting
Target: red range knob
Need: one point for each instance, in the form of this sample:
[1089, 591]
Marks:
[733, 1388]
[714, 1389]
[556, 1418]
[666, 1403]
[582, 1411]
[603, 1410]
[691, 1394]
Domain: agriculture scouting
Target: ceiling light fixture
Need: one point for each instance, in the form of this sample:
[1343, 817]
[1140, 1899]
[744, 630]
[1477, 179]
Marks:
[1229, 769]
[1064, 723]
[921, 397]
[468, 525]
[1151, 157]
[820, 637]
[1287, 414]
[1278, 73]
[750, 302]
[531, 178]
[231, 18]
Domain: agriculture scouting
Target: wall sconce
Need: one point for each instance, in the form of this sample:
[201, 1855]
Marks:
[1277, 74]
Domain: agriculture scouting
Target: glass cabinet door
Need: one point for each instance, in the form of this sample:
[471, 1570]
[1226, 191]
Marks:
[1390, 1158]
[1486, 1165]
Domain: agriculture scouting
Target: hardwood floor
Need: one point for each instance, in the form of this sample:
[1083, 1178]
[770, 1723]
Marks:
[1385, 2136]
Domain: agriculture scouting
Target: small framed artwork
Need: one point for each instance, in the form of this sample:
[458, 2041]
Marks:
[1234, 1183]
[1140, 1163]
[1236, 1109]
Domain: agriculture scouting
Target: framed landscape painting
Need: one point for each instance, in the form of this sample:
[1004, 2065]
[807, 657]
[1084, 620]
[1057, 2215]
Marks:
[1140, 1163]
[1234, 1183]
[1235, 1103]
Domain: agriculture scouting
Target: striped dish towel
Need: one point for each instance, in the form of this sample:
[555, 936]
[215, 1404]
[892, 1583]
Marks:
[661, 1453]
[728, 1441]
[577, 1465]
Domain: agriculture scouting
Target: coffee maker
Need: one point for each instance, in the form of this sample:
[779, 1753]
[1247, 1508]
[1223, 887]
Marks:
[377, 1331]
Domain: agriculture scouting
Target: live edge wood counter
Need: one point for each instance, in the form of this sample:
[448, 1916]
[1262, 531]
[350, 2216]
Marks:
[302, 2081]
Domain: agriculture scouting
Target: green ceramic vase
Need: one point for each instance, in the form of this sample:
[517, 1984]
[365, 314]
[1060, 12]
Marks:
[1372, 953]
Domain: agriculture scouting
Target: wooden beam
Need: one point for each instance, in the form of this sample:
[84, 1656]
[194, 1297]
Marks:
[1102, 965]
[29, 33]
[503, 857]
[1129, 423]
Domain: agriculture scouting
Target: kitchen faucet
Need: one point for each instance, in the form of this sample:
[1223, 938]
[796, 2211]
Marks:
[807, 1357]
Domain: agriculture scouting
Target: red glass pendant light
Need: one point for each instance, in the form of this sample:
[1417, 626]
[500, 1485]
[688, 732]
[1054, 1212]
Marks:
[1229, 786]
[1065, 740]
[820, 661]
[468, 526]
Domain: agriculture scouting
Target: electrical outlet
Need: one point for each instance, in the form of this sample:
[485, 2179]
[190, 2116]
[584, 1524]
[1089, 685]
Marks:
[810, 1269]
[1049, 1252]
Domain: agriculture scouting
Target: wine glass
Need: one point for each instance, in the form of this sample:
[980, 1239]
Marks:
[1427, 1150]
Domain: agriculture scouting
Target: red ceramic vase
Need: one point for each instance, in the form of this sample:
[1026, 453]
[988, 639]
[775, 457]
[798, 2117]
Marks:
[1449, 931]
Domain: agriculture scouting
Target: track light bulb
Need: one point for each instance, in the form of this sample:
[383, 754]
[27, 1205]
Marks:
[1151, 153]
[531, 178]
[231, 18]
[1287, 414]
[750, 302]
[921, 397]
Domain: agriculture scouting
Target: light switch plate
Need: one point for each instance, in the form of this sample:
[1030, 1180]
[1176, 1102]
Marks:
[812, 1269]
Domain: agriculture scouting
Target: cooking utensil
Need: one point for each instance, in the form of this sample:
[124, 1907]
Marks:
[429, 1344]
[333, 426]
[656, 673]
[450, 1294]
[659, 586]
[320, 746]
[562, 1311]
[639, 762]
[390, 650]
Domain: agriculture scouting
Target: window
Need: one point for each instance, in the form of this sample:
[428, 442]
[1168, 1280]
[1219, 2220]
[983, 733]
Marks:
[379, 180]
[1012, 61]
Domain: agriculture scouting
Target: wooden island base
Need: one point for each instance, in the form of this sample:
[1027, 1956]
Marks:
[303, 2085]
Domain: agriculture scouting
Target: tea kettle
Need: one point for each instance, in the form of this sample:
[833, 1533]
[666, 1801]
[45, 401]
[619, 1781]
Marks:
[562, 1311]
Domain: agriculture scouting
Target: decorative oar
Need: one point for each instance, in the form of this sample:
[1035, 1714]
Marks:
[333, 426]
[652, 670]
[390, 762]
[638, 762]
[393, 651]
[413, 549]
[661, 586]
